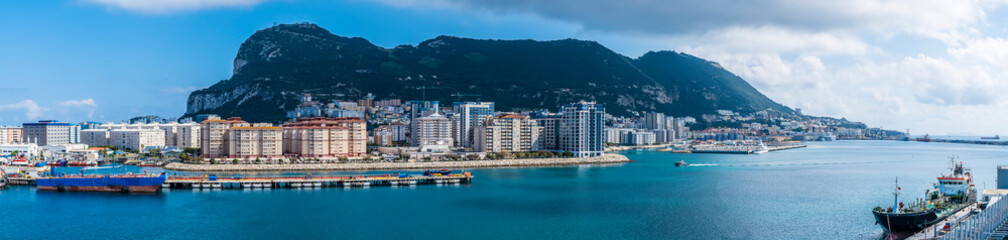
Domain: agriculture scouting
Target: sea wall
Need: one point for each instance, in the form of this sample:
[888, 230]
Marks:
[503, 163]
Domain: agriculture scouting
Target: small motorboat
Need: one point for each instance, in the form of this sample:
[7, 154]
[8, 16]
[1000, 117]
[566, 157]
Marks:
[681, 163]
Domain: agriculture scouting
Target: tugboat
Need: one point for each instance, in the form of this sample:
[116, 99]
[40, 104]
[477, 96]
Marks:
[952, 193]
[681, 163]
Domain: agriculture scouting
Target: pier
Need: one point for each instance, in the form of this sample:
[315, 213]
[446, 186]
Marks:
[313, 182]
[193, 182]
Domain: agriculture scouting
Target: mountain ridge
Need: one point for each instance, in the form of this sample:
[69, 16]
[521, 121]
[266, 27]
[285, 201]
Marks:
[275, 65]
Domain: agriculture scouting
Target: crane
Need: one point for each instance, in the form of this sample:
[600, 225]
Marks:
[459, 96]
[423, 89]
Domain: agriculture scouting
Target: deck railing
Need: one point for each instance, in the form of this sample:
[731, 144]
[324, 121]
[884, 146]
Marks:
[983, 224]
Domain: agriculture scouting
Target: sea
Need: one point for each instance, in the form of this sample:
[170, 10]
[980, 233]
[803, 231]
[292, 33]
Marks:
[823, 191]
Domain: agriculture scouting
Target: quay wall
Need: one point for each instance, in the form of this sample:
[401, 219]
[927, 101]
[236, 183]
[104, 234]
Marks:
[503, 163]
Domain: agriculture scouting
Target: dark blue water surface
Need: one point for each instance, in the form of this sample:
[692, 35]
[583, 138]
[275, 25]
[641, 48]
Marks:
[824, 191]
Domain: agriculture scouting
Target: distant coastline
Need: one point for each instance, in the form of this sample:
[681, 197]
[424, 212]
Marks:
[504, 163]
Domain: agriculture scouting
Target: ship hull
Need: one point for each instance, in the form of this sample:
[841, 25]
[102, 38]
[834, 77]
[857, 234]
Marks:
[140, 184]
[904, 222]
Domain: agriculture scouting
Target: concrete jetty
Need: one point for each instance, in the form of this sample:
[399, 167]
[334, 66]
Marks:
[505, 163]
[315, 182]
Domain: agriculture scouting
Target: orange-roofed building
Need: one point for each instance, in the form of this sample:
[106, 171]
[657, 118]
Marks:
[325, 137]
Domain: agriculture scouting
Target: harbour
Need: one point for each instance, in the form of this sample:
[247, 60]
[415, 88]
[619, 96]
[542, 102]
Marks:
[827, 186]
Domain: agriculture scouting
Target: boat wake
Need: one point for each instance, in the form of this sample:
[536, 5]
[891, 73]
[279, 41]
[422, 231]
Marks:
[784, 164]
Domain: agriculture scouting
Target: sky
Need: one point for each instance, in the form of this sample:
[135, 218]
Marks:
[928, 66]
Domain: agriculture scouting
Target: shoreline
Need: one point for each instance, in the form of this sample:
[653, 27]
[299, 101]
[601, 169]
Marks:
[503, 163]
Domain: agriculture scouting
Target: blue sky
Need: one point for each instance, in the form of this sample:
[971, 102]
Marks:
[929, 66]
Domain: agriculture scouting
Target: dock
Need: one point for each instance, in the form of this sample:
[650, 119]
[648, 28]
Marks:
[310, 182]
[193, 182]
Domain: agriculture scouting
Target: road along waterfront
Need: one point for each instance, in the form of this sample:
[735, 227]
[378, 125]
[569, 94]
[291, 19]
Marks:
[501, 163]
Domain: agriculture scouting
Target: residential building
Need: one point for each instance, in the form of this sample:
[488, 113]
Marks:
[420, 109]
[390, 134]
[507, 133]
[259, 140]
[10, 134]
[549, 122]
[95, 137]
[581, 129]
[431, 129]
[470, 115]
[213, 130]
[325, 137]
[50, 132]
[654, 120]
[136, 139]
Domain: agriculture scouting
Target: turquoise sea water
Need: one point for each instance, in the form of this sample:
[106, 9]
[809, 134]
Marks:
[824, 191]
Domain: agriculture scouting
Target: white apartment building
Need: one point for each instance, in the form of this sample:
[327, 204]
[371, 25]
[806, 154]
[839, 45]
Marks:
[95, 137]
[432, 129]
[136, 139]
[507, 133]
[470, 115]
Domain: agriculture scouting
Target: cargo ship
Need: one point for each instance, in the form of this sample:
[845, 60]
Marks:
[131, 183]
[951, 194]
[995, 137]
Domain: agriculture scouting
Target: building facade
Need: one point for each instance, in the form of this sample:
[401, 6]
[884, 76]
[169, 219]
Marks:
[391, 134]
[136, 139]
[581, 129]
[260, 140]
[470, 115]
[50, 132]
[325, 137]
[431, 129]
[10, 134]
[213, 130]
[95, 137]
[507, 133]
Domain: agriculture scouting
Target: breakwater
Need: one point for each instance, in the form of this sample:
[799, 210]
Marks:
[504, 163]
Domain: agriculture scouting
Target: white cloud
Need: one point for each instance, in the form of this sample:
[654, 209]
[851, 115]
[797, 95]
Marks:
[32, 110]
[867, 60]
[79, 103]
[76, 107]
[172, 6]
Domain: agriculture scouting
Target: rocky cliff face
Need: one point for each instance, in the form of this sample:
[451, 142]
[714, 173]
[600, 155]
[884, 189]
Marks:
[275, 65]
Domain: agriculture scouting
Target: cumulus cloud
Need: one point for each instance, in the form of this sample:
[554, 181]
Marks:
[79, 103]
[85, 107]
[172, 6]
[858, 59]
[31, 109]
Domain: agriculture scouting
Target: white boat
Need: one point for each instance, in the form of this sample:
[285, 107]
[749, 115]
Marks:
[257, 185]
[318, 184]
[297, 185]
[217, 185]
[205, 185]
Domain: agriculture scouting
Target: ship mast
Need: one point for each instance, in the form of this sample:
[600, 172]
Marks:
[896, 197]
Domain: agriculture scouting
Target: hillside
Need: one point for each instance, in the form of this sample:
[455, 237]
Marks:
[275, 65]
